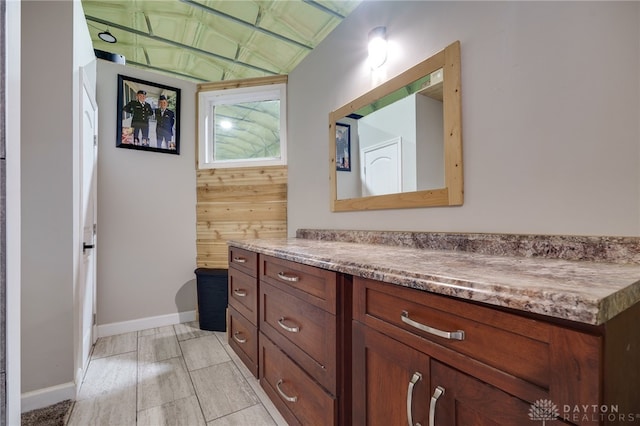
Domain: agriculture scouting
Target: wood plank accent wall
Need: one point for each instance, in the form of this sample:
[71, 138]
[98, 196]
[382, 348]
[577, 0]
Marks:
[238, 203]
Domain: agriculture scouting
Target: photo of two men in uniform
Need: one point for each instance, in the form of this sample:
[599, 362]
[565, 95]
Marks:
[148, 123]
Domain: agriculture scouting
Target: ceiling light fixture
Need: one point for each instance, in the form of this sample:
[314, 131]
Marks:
[107, 36]
[377, 47]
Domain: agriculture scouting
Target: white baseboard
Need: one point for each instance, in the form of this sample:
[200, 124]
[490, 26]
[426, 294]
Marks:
[145, 323]
[47, 396]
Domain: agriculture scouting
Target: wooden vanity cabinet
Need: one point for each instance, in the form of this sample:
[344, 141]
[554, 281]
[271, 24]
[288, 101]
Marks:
[331, 348]
[301, 335]
[242, 324]
[491, 365]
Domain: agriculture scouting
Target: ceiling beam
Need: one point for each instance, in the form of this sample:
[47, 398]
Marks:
[324, 8]
[164, 70]
[246, 24]
[177, 44]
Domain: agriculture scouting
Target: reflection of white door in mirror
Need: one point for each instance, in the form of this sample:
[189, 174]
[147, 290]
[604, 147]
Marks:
[382, 168]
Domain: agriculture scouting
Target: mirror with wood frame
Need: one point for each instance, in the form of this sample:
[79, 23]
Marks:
[400, 144]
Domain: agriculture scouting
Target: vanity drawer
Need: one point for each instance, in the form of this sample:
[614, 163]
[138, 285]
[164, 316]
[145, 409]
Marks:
[303, 331]
[516, 345]
[313, 285]
[243, 294]
[244, 260]
[243, 338]
[299, 398]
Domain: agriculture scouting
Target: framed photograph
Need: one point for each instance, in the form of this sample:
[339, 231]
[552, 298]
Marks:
[148, 116]
[343, 147]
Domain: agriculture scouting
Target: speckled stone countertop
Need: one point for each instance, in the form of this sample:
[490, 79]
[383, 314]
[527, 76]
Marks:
[583, 291]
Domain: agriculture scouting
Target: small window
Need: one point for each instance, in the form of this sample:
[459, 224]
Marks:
[242, 127]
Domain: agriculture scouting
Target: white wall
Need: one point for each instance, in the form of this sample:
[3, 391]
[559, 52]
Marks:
[13, 220]
[550, 109]
[55, 43]
[146, 241]
[430, 145]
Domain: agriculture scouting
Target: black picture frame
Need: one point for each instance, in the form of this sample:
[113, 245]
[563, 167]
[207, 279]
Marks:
[162, 133]
[343, 147]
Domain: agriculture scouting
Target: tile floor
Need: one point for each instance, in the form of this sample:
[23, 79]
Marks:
[174, 375]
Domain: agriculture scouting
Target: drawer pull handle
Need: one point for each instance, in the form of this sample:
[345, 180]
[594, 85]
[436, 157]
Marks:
[288, 278]
[432, 406]
[238, 259]
[284, 395]
[286, 327]
[415, 379]
[451, 335]
[240, 293]
[238, 339]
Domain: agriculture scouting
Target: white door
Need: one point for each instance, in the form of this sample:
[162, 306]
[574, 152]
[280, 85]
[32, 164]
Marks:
[381, 171]
[87, 282]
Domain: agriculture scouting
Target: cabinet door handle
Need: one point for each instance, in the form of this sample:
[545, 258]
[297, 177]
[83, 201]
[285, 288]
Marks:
[238, 339]
[239, 259]
[451, 335]
[415, 379]
[288, 278]
[284, 395]
[240, 293]
[286, 327]
[432, 406]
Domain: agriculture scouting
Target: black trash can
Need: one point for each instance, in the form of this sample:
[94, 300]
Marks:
[212, 298]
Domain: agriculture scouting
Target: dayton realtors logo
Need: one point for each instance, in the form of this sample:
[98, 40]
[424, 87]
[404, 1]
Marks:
[545, 410]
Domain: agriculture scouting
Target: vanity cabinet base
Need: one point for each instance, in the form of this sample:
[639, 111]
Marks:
[331, 348]
[242, 314]
[486, 365]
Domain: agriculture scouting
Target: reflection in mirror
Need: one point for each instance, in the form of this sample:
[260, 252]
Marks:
[397, 143]
[404, 145]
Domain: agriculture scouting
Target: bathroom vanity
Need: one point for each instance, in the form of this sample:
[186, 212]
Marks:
[359, 333]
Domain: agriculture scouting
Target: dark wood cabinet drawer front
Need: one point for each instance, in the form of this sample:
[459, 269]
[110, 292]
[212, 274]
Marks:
[463, 400]
[243, 294]
[313, 285]
[243, 338]
[300, 399]
[516, 345]
[244, 260]
[305, 332]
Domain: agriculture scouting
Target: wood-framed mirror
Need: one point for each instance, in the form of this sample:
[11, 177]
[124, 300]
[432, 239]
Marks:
[400, 144]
